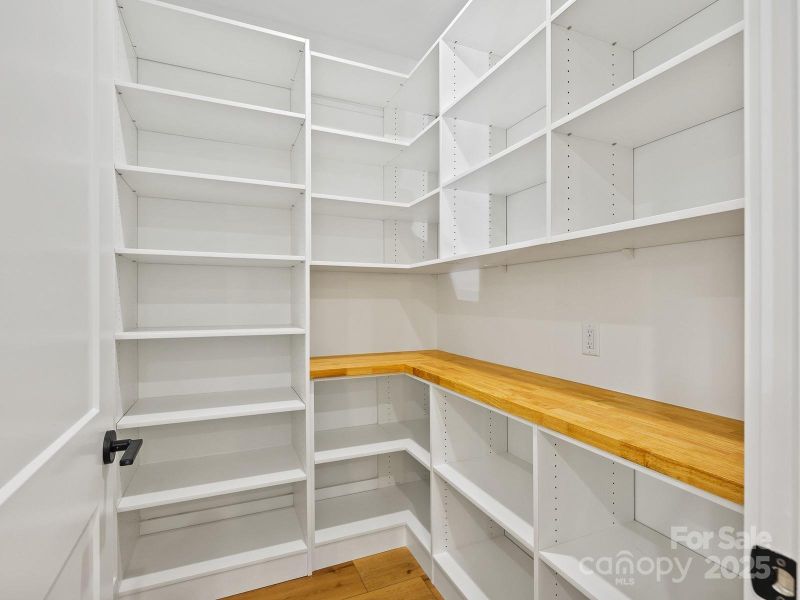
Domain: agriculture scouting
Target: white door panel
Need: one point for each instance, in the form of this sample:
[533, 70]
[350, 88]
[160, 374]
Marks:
[52, 494]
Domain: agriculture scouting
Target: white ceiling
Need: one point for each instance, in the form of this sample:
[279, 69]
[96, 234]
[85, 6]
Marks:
[405, 28]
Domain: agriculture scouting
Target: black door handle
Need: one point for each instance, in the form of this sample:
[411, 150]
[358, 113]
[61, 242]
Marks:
[111, 445]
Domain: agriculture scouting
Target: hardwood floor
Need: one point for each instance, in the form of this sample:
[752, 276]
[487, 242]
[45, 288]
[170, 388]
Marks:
[392, 575]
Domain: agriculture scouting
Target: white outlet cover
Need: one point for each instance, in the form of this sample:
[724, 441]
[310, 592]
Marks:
[590, 340]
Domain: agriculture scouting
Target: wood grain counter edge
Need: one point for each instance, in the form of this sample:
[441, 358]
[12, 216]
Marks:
[701, 449]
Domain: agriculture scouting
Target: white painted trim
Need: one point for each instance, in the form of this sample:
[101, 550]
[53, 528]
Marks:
[772, 274]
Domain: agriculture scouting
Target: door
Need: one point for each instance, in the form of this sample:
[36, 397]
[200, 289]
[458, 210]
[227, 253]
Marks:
[54, 139]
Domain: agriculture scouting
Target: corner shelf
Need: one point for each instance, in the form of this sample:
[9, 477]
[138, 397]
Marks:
[176, 555]
[369, 440]
[336, 77]
[160, 333]
[199, 187]
[424, 208]
[421, 153]
[642, 543]
[161, 483]
[192, 115]
[189, 408]
[352, 515]
[152, 26]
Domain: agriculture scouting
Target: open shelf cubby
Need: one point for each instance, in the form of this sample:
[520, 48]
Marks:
[370, 416]
[630, 155]
[222, 58]
[602, 522]
[487, 457]
[380, 495]
[246, 538]
[472, 555]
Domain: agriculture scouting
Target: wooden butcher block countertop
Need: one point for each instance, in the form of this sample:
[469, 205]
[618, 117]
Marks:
[701, 449]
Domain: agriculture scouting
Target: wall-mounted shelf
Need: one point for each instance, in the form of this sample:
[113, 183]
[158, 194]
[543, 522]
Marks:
[499, 484]
[199, 187]
[518, 167]
[219, 259]
[509, 91]
[421, 153]
[706, 81]
[160, 333]
[157, 484]
[370, 440]
[425, 208]
[177, 555]
[481, 26]
[352, 515]
[186, 408]
[192, 115]
[216, 45]
[336, 77]
[631, 23]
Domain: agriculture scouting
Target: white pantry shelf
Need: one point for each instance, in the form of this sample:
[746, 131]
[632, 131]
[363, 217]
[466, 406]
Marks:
[489, 569]
[186, 408]
[629, 23]
[481, 26]
[216, 45]
[358, 267]
[199, 187]
[205, 331]
[705, 82]
[335, 77]
[419, 93]
[219, 259]
[370, 440]
[518, 167]
[191, 115]
[157, 484]
[501, 486]
[511, 90]
[718, 220]
[176, 555]
[424, 208]
[575, 562]
[420, 153]
[352, 515]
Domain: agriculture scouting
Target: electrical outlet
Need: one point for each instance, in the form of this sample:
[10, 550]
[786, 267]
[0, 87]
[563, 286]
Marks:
[590, 343]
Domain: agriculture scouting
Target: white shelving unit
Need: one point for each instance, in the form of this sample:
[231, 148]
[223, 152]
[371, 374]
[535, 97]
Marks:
[188, 408]
[487, 458]
[586, 510]
[520, 136]
[212, 238]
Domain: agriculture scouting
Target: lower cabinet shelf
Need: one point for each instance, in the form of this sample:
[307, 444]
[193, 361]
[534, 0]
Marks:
[627, 545]
[380, 438]
[500, 485]
[157, 484]
[489, 569]
[178, 555]
[353, 515]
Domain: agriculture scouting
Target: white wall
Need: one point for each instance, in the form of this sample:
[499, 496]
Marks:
[670, 321]
[366, 312]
